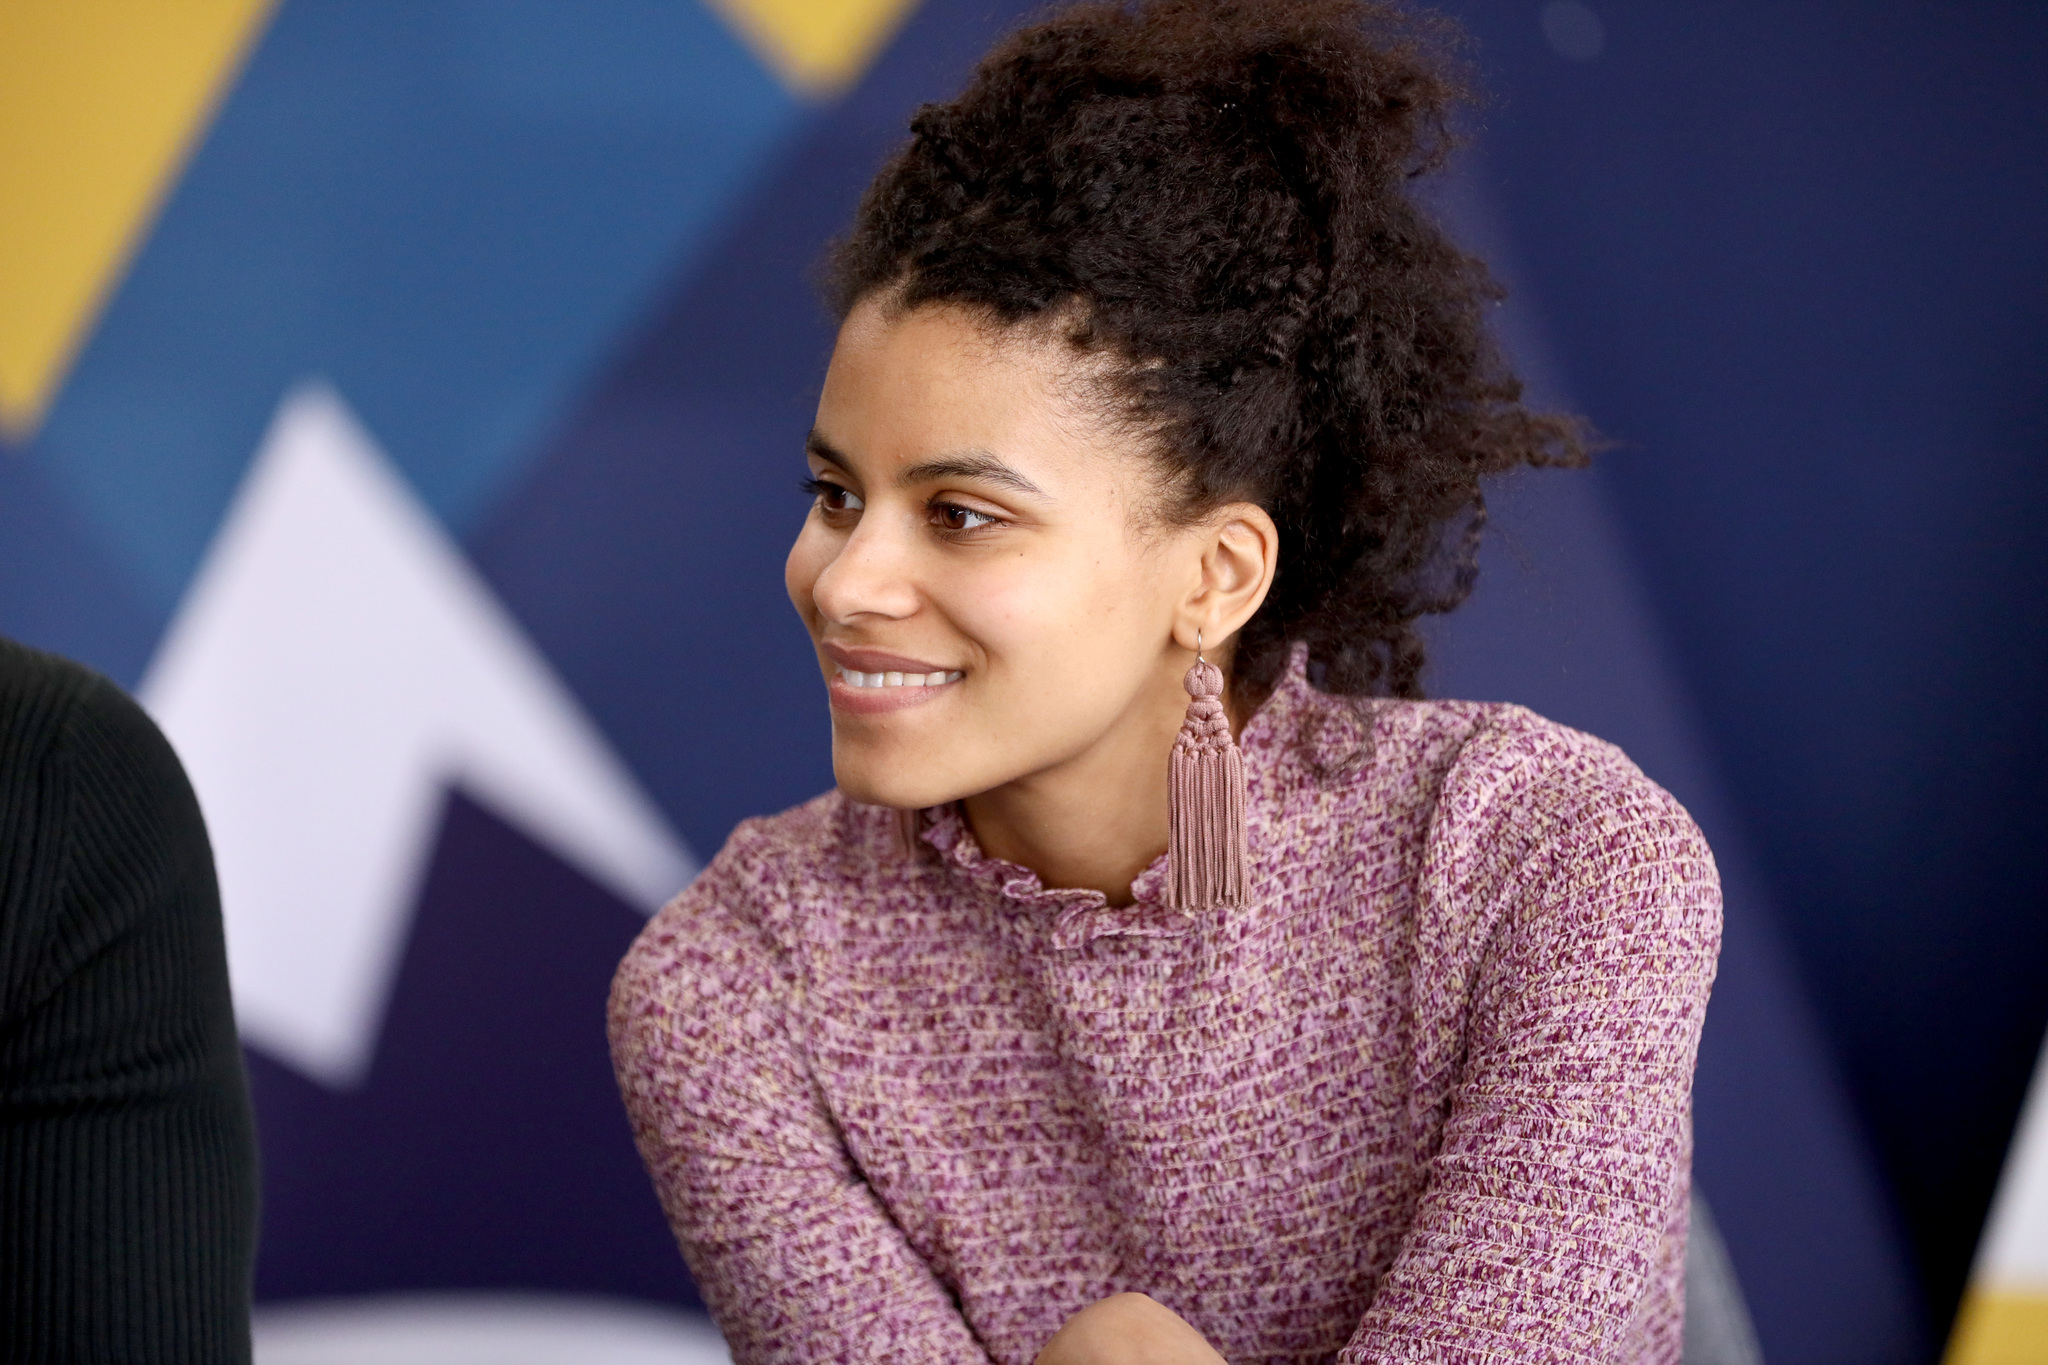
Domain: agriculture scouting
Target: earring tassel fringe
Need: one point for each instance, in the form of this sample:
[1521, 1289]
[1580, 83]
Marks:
[1208, 850]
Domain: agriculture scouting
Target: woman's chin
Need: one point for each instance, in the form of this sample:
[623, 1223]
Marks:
[884, 784]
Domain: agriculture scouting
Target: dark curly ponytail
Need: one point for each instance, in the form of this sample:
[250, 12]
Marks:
[1213, 193]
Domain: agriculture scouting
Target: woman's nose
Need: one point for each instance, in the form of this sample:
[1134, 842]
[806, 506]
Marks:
[869, 577]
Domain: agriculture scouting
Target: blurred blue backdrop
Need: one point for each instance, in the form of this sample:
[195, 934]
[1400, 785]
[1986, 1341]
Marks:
[550, 262]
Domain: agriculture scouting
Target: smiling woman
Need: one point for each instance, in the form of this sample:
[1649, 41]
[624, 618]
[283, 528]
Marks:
[1303, 1020]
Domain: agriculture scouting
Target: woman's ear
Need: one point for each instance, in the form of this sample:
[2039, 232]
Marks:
[1239, 552]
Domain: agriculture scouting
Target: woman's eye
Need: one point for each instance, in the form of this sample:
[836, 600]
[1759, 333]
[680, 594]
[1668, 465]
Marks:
[953, 517]
[833, 497]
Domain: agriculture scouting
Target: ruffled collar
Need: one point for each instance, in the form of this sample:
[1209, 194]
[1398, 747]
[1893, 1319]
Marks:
[1078, 915]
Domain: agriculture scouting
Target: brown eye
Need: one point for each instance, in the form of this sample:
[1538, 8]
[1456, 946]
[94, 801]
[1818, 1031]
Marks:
[832, 497]
[953, 517]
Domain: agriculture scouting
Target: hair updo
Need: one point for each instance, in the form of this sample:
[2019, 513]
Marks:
[1212, 196]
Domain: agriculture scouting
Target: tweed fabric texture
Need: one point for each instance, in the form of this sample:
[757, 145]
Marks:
[1425, 1098]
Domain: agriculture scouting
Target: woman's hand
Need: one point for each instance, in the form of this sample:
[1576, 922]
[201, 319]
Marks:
[1128, 1329]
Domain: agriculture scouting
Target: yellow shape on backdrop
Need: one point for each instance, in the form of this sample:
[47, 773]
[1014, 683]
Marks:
[100, 101]
[2000, 1328]
[819, 47]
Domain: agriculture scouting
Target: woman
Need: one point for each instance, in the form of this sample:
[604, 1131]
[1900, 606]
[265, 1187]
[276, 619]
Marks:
[1031, 1042]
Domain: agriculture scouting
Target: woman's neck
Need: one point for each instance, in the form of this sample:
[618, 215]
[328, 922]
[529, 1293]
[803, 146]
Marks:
[1094, 821]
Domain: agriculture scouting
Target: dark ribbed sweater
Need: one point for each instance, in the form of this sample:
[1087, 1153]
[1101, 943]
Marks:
[127, 1152]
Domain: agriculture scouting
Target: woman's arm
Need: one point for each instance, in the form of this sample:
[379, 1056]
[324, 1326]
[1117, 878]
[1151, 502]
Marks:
[794, 1254]
[1552, 1223]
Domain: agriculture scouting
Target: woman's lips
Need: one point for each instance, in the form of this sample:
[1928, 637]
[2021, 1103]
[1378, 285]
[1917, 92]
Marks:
[866, 659]
[861, 693]
[872, 682]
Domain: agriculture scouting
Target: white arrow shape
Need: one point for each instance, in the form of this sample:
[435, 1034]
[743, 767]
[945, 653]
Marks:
[2013, 1255]
[335, 666]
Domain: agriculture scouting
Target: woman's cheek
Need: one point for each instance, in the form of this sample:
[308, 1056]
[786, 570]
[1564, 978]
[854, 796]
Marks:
[1001, 603]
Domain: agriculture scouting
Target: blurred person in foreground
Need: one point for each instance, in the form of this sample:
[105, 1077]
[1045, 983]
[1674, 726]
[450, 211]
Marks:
[127, 1152]
[1167, 982]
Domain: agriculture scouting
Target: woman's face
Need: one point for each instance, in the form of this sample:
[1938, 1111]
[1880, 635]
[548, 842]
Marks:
[987, 600]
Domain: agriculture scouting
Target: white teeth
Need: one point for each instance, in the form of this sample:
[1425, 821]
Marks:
[855, 678]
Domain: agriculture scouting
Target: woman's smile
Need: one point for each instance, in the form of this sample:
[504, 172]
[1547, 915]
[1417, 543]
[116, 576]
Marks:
[853, 678]
[869, 682]
[856, 693]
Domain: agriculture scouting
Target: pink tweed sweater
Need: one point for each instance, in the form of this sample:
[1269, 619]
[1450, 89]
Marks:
[1427, 1099]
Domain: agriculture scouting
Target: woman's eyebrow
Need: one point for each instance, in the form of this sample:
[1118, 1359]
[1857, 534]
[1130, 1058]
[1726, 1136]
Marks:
[970, 464]
[816, 444]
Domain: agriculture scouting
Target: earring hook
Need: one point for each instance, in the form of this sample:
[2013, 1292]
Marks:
[1198, 644]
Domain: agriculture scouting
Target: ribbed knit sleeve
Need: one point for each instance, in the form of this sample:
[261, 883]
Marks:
[1568, 932]
[794, 1254]
[127, 1151]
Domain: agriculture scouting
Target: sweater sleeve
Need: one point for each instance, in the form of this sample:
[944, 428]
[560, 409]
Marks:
[794, 1254]
[127, 1152]
[1551, 1223]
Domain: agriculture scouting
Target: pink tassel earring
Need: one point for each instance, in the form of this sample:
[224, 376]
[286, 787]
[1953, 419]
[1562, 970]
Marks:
[1207, 844]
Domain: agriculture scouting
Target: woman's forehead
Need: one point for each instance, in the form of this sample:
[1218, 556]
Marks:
[937, 386]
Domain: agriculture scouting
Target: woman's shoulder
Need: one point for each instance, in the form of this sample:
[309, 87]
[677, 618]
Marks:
[1341, 741]
[1524, 840]
[1513, 768]
[740, 913]
[1499, 757]
[1533, 813]
[1486, 781]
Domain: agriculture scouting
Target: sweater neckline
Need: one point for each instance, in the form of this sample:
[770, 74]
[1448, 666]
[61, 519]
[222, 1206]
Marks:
[1080, 915]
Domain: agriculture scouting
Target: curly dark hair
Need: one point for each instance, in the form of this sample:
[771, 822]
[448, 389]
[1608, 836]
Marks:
[1214, 195]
